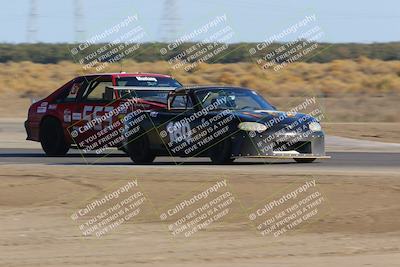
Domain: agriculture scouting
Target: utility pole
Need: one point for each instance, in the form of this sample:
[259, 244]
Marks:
[78, 21]
[170, 21]
[32, 27]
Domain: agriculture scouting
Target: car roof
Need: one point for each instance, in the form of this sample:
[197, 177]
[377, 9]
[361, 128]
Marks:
[193, 88]
[131, 74]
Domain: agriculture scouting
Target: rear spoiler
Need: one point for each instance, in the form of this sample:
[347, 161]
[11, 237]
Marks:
[109, 92]
[138, 88]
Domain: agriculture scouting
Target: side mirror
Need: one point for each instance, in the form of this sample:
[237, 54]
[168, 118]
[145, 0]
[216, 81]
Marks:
[170, 97]
[169, 100]
[108, 94]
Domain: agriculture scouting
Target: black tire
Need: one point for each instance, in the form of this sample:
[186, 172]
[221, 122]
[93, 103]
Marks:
[221, 153]
[304, 160]
[139, 150]
[52, 138]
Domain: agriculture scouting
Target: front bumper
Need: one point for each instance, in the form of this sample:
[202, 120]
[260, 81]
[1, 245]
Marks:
[28, 131]
[284, 146]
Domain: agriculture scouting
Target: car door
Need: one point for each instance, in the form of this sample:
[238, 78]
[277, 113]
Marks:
[91, 114]
[191, 130]
[174, 127]
[65, 103]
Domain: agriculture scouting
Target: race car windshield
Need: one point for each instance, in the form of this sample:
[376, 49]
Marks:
[148, 82]
[153, 95]
[151, 82]
[235, 99]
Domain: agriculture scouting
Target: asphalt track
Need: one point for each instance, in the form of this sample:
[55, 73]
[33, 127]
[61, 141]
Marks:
[115, 158]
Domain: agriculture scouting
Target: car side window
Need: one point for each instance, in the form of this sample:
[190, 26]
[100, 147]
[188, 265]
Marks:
[74, 91]
[71, 90]
[96, 90]
[181, 102]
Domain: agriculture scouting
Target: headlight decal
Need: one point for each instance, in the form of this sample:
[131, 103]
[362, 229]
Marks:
[315, 126]
[252, 126]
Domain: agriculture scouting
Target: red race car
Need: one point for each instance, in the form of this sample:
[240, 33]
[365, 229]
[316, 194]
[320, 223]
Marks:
[86, 111]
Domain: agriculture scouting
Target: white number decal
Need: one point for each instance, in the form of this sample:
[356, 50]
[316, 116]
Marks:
[87, 115]
[98, 125]
[179, 132]
[87, 111]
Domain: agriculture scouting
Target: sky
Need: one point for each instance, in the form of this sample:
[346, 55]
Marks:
[362, 21]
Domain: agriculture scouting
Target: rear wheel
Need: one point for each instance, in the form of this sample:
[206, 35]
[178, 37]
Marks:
[299, 160]
[52, 138]
[221, 153]
[139, 150]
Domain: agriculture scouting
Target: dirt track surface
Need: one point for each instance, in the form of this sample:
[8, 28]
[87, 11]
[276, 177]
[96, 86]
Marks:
[356, 226]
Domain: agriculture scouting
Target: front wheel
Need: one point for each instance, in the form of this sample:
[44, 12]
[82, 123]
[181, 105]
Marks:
[52, 138]
[221, 153]
[299, 160]
[139, 150]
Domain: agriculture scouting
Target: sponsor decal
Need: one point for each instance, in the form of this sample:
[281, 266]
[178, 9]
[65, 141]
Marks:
[153, 114]
[76, 116]
[44, 104]
[74, 90]
[67, 115]
[146, 79]
[141, 106]
[52, 107]
[269, 112]
[41, 109]
[252, 114]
